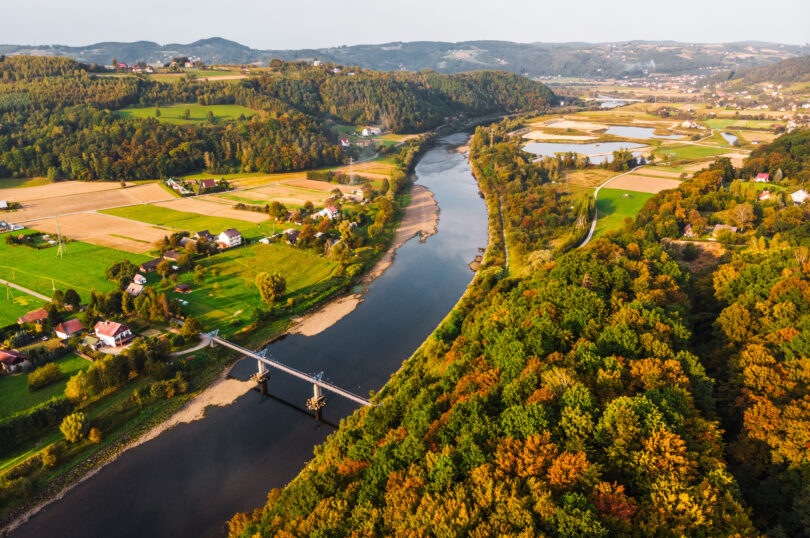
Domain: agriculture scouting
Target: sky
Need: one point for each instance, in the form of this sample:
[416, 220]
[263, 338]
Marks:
[274, 24]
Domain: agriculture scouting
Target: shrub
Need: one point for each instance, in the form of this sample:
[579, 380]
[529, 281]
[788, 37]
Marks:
[73, 427]
[44, 376]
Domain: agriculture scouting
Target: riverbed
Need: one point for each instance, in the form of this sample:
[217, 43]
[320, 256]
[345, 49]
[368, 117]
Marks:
[190, 480]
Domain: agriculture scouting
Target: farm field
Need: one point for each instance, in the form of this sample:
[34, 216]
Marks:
[14, 303]
[22, 182]
[722, 123]
[100, 198]
[231, 294]
[82, 267]
[584, 181]
[24, 192]
[106, 231]
[17, 397]
[613, 205]
[642, 183]
[656, 172]
[198, 113]
[210, 206]
[688, 152]
[191, 222]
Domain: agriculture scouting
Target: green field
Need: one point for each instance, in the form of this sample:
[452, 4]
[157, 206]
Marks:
[613, 205]
[14, 303]
[687, 152]
[199, 113]
[20, 182]
[743, 124]
[190, 222]
[232, 296]
[14, 393]
[82, 267]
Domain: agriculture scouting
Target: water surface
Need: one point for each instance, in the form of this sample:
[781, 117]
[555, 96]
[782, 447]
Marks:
[638, 132]
[597, 152]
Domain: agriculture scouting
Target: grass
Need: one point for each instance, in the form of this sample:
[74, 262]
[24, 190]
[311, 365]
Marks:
[173, 113]
[191, 222]
[231, 296]
[688, 152]
[22, 182]
[82, 267]
[14, 388]
[718, 123]
[14, 303]
[613, 205]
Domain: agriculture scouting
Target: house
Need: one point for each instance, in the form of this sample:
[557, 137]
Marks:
[188, 64]
[762, 178]
[205, 234]
[187, 243]
[292, 235]
[371, 131]
[719, 227]
[134, 289]
[172, 255]
[68, 328]
[11, 360]
[765, 195]
[800, 196]
[690, 124]
[330, 212]
[139, 279]
[344, 143]
[3, 205]
[182, 288]
[33, 316]
[206, 184]
[113, 334]
[151, 265]
[687, 231]
[4, 226]
[230, 238]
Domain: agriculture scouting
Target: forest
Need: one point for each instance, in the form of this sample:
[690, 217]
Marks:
[611, 390]
[58, 117]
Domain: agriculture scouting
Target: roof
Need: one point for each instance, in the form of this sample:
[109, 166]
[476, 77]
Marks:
[331, 209]
[35, 315]
[185, 241]
[182, 287]
[719, 227]
[3, 204]
[208, 183]
[204, 233]
[171, 255]
[110, 328]
[70, 326]
[90, 340]
[151, 264]
[9, 356]
[231, 233]
[763, 176]
[134, 289]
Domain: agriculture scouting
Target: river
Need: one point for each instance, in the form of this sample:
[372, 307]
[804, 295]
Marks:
[190, 480]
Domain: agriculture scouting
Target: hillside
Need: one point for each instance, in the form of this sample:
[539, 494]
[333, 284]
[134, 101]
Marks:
[590, 397]
[787, 71]
[532, 59]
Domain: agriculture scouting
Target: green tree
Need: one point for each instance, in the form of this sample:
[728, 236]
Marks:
[271, 286]
[73, 427]
[72, 298]
[191, 327]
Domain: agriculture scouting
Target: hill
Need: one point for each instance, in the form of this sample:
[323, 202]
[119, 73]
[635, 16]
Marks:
[787, 71]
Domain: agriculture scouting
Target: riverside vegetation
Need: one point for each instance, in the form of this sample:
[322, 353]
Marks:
[607, 390]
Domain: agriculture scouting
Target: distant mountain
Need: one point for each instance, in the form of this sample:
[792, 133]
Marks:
[787, 71]
[531, 59]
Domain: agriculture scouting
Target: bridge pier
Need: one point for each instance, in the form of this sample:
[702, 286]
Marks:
[317, 402]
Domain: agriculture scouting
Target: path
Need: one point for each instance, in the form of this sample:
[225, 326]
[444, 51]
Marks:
[595, 212]
[25, 290]
[205, 341]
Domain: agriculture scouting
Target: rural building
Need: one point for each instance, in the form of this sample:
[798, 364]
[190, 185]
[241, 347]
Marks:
[139, 279]
[765, 195]
[292, 235]
[690, 124]
[11, 360]
[113, 334]
[182, 288]
[371, 131]
[187, 241]
[330, 212]
[344, 142]
[800, 196]
[762, 178]
[172, 255]
[3, 205]
[134, 289]
[230, 238]
[68, 328]
[687, 231]
[205, 185]
[719, 227]
[33, 316]
[205, 234]
[151, 265]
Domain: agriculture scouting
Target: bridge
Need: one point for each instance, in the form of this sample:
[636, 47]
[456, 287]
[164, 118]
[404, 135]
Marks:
[264, 360]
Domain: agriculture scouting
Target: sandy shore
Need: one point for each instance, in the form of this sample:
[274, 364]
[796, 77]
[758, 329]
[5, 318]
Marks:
[421, 218]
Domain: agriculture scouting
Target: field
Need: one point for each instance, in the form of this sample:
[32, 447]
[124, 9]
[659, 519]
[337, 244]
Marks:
[191, 222]
[688, 152]
[39, 203]
[14, 388]
[198, 113]
[106, 231]
[210, 206]
[82, 267]
[21, 191]
[14, 303]
[642, 183]
[613, 205]
[232, 295]
[741, 124]
[22, 182]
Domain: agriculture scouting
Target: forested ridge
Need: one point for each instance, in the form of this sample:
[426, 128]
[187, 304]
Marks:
[58, 118]
[609, 391]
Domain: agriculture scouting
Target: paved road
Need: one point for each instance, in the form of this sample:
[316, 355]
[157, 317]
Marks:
[25, 290]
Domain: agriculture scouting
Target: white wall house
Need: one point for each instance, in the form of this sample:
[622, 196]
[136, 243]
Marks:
[230, 238]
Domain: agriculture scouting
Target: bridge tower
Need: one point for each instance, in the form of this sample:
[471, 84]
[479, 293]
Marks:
[318, 400]
[262, 376]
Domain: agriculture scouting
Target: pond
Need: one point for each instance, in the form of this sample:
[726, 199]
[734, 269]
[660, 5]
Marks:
[597, 152]
[639, 132]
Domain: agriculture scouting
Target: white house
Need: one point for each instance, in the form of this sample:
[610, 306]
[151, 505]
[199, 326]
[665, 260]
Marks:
[68, 328]
[329, 212]
[762, 178]
[230, 238]
[113, 334]
[139, 279]
[800, 196]
[370, 131]
[134, 289]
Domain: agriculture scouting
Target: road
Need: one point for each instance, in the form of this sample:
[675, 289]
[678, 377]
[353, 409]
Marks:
[25, 290]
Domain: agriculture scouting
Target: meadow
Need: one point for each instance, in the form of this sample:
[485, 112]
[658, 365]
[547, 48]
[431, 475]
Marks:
[17, 397]
[687, 152]
[229, 297]
[14, 303]
[81, 268]
[198, 113]
[22, 182]
[613, 205]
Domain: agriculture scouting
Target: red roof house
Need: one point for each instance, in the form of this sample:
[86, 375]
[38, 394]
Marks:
[113, 334]
[68, 328]
[34, 316]
[763, 178]
[9, 359]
